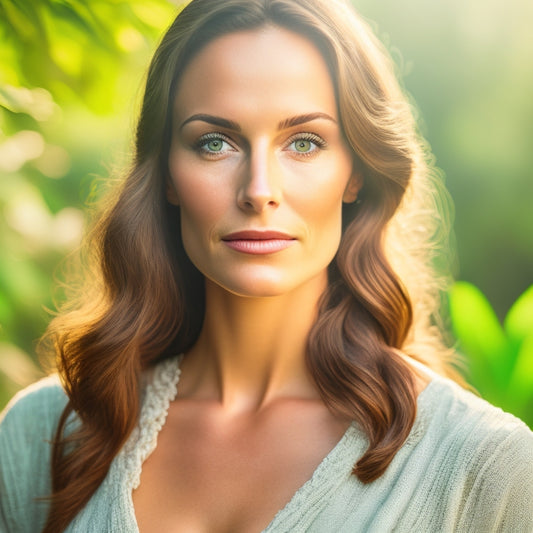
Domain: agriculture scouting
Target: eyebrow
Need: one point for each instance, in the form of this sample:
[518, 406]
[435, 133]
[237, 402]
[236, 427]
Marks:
[302, 119]
[211, 119]
[284, 124]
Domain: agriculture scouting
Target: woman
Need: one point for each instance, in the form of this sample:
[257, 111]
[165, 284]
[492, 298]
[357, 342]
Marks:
[277, 229]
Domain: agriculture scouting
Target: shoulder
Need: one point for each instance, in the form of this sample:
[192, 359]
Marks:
[454, 411]
[40, 402]
[485, 453]
[32, 414]
[29, 421]
[27, 428]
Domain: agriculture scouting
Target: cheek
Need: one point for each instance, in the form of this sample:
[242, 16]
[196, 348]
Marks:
[328, 221]
[323, 210]
[200, 204]
[198, 215]
[323, 219]
[201, 198]
[322, 201]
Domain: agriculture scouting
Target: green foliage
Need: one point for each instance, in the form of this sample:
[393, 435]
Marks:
[70, 78]
[500, 358]
[70, 74]
[468, 66]
[73, 47]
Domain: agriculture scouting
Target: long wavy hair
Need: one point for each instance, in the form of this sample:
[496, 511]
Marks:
[143, 300]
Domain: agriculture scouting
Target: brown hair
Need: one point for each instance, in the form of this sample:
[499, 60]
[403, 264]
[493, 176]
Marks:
[146, 299]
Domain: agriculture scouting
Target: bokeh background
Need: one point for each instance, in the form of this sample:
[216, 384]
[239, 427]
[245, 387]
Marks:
[71, 77]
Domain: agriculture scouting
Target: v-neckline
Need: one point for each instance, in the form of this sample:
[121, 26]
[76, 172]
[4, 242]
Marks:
[336, 467]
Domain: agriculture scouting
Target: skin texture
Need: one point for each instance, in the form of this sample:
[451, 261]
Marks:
[248, 427]
[258, 179]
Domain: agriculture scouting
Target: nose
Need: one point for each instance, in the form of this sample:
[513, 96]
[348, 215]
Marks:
[261, 185]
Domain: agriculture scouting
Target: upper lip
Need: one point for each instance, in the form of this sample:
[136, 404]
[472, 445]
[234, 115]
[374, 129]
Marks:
[256, 235]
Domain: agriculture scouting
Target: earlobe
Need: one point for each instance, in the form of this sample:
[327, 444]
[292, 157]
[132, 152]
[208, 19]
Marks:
[172, 195]
[352, 188]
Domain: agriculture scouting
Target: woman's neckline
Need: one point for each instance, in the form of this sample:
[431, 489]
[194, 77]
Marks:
[163, 380]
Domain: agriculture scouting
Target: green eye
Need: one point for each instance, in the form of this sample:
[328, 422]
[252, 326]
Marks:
[215, 145]
[303, 145]
[306, 143]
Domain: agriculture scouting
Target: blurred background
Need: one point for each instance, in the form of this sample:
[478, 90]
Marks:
[71, 76]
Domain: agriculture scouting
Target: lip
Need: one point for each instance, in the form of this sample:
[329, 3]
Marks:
[257, 235]
[258, 242]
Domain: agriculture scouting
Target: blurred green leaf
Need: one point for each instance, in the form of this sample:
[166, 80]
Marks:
[23, 19]
[519, 320]
[479, 332]
[500, 361]
[521, 382]
[73, 48]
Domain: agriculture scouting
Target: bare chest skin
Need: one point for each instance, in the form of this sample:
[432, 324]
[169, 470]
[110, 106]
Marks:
[217, 473]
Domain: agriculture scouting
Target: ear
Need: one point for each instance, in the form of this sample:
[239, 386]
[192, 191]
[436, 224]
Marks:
[171, 193]
[352, 188]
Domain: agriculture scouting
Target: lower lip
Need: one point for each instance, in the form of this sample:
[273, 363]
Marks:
[259, 246]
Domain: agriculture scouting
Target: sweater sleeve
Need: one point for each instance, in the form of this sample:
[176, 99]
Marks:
[27, 428]
[501, 496]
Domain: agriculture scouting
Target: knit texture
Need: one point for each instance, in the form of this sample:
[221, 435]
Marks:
[466, 467]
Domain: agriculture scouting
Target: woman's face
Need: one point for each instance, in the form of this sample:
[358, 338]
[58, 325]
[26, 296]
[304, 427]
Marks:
[258, 164]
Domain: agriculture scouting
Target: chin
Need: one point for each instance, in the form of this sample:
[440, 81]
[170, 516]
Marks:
[258, 288]
[271, 283]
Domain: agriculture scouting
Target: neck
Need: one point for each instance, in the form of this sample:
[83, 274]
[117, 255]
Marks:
[252, 350]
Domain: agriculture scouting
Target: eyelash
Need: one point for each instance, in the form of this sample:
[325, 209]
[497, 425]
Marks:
[204, 139]
[311, 137]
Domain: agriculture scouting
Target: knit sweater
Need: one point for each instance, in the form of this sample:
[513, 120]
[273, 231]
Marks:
[466, 466]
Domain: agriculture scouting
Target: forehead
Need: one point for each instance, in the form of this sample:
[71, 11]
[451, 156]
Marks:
[250, 71]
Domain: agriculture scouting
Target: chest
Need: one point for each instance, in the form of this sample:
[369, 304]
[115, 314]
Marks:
[220, 476]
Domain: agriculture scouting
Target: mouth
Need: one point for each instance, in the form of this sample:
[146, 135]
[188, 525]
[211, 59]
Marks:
[257, 242]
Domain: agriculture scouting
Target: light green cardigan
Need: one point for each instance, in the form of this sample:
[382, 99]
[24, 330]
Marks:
[466, 467]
